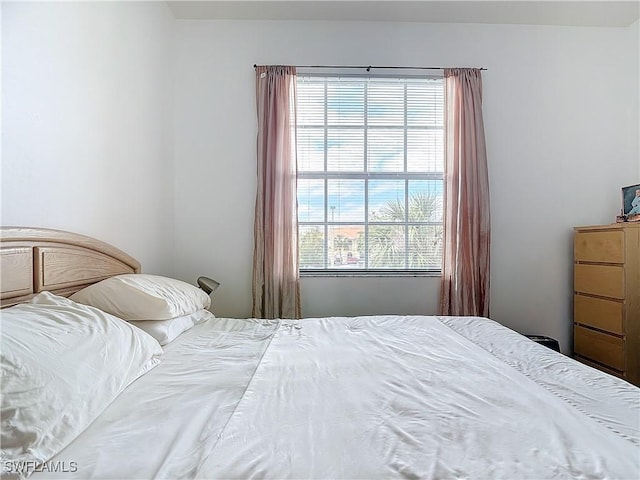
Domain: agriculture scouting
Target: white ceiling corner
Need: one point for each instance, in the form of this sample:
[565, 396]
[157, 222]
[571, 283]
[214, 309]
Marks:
[611, 13]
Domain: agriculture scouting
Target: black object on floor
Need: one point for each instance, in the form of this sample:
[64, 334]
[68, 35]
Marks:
[546, 341]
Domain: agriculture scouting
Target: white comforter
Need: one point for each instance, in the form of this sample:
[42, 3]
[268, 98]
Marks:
[365, 397]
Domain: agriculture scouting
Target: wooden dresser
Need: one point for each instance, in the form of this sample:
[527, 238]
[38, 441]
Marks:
[606, 301]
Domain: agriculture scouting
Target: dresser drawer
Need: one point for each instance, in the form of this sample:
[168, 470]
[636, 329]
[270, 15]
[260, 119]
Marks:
[610, 371]
[599, 313]
[607, 247]
[603, 280]
[599, 347]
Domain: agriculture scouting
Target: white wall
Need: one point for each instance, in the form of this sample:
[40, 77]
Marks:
[561, 131]
[97, 140]
[634, 41]
[86, 123]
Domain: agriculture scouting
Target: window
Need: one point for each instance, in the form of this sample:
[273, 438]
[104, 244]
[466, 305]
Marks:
[370, 173]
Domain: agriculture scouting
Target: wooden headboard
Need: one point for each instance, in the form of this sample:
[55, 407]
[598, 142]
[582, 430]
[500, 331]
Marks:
[33, 260]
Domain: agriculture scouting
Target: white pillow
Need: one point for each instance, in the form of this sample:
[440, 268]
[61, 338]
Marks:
[62, 364]
[144, 297]
[165, 331]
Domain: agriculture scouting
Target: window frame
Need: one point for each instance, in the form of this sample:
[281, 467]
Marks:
[366, 176]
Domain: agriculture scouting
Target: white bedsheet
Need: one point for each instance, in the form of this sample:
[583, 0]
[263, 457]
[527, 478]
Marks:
[365, 397]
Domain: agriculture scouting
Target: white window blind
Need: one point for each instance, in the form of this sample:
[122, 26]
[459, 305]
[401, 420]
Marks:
[370, 173]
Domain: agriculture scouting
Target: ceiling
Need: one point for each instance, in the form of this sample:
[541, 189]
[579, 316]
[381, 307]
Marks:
[571, 13]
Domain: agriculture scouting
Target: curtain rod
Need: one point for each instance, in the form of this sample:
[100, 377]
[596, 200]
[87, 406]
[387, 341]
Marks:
[368, 67]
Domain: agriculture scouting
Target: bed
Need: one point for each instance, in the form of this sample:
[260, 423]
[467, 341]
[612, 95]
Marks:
[357, 397]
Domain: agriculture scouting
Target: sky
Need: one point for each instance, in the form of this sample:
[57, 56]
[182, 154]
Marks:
[384, 105]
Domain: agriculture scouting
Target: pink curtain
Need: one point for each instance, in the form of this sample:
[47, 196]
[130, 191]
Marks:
[276, 280]
[464, 287]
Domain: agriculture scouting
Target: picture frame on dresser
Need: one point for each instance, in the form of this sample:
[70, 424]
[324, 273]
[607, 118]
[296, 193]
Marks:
[631, 203]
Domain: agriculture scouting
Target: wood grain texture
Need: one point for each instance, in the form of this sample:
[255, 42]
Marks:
[16, 270]
[67, 266]
[56, 261]
[602, 368]
[607, 297]
[599, 347]
[610, 226]
[44, 236]
[599, 246]
[599, 313]
[632, 304]
[602, 280]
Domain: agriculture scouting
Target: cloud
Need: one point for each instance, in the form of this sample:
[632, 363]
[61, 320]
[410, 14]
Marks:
[345, 101]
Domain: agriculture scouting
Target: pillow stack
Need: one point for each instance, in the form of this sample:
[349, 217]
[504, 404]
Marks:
[163, 307]
[62, 364]
[64, 360]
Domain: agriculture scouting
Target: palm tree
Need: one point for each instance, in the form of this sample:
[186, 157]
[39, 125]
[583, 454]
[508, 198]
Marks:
[388, 244]
[340, 244]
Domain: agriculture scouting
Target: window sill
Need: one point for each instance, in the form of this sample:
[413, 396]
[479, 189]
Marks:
[369, 273]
